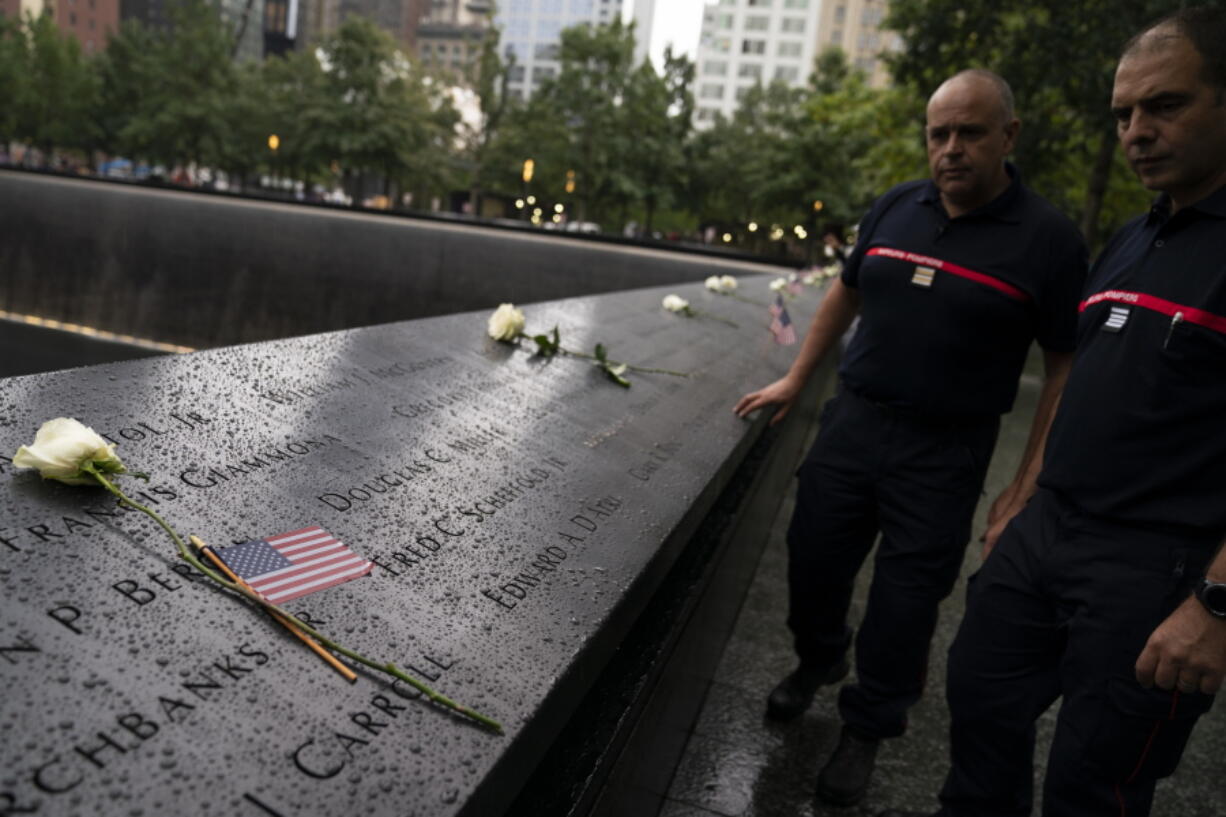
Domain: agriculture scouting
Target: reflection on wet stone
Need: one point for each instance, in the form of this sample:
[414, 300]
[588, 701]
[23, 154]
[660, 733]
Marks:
[509, 505]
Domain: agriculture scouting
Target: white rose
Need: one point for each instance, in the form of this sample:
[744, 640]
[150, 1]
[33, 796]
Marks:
[506, 323]
[779, 284]
[811, 278]
[831, 270]
[62, 446]
[675, 303]
[715, 283]
[727, 283]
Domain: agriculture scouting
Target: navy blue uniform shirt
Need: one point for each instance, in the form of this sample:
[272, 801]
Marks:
[949, 307]
[1140, 436]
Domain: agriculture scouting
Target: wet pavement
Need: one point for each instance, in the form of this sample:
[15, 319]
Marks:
[738, 764]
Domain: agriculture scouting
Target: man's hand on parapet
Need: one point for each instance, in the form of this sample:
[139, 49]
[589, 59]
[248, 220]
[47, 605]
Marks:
[782, 392]
[1187, 652]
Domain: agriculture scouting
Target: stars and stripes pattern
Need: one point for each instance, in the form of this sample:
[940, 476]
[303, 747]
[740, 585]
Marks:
[781, 323]
[1116, 319]
[291, 565]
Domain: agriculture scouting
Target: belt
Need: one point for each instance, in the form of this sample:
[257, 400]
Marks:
[914, 416]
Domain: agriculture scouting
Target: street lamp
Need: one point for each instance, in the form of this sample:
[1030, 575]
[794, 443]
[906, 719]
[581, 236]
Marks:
[525, 175]
[274, 142]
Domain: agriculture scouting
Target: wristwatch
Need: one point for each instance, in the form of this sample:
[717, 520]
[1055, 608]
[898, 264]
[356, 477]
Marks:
[1213, 596]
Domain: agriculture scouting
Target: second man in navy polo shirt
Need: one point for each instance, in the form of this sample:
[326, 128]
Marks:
[954, 278]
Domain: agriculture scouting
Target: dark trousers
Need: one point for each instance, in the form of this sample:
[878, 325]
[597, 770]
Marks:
[874, 469]
[1063, 607]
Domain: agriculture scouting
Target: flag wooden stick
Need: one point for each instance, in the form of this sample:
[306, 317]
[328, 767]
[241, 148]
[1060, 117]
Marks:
[348, 674]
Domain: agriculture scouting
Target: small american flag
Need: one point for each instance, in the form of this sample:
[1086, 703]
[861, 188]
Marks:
[290, 565]
[781, 326]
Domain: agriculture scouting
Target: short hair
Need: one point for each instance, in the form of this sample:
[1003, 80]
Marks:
[835, 229]
[1003, 91]
[1204, 27]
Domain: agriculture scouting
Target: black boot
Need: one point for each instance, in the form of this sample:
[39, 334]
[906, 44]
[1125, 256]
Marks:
[844, 778]
[794, 693]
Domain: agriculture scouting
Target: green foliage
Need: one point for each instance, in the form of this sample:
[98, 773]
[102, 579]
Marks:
[185, 84]
[836, 141]
[1060, 59]
[490, 76]
[356, 107]
[54, 90]
[126, 76]
[375, 111]
[13, 75]
[589, 98]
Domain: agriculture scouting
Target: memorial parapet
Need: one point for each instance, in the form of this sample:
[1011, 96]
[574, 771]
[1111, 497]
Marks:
[519, 513]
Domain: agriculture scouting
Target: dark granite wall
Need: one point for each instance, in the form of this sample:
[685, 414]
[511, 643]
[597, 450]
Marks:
[527, 517]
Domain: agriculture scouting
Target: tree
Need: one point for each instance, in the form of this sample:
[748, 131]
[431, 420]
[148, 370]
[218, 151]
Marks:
[375, 112]
[295, 96]
[13, 75]
[659, 112]
[126, 77]
[835, 141]
[55, 98]
[490, 77]
[585, 101]
[1067, 143]
[871, 139]
[181, 87]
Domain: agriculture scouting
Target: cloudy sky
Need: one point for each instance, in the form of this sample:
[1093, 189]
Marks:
[678, 22]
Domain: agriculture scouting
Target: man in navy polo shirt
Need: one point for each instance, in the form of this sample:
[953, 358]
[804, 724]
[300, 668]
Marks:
[1109, 588]
[953, 279]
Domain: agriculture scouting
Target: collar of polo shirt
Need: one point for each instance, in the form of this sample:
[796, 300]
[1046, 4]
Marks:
[1007, 207]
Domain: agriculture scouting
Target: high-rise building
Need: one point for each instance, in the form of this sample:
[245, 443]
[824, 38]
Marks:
[855, 26]
[747, 42]
[317, 19]
[280, 26]
[531, 33]
[89, 21]
[243, 19]
[643, 13]
[448, 36]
